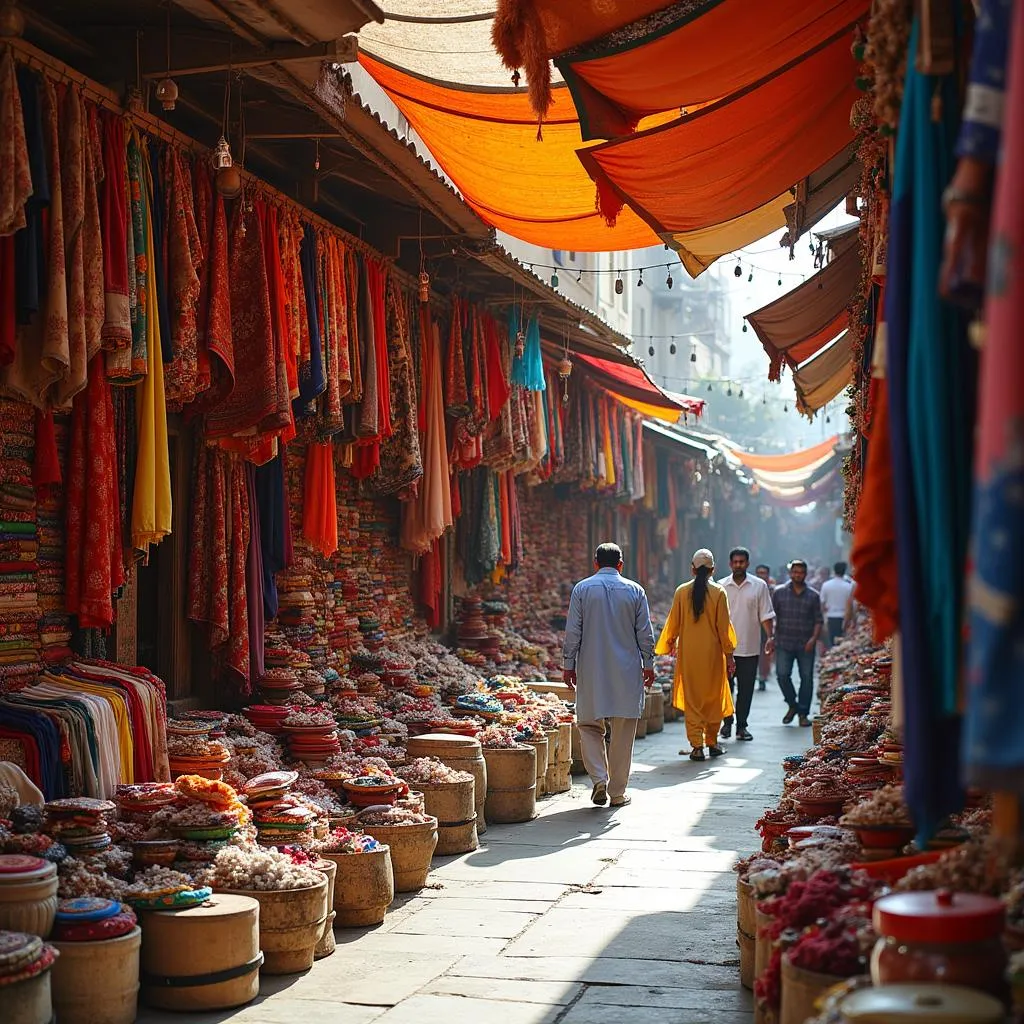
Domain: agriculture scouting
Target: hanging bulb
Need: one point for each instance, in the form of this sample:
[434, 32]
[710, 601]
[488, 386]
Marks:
[672, 348]
[744, 326]
[785, 408]
[750, 277]
[640, 279]
[618, 285]
[650, 350]
[554, 279]
[737, 270]
[710, 389]
[693, 356]
[780, 280]
[668, 281]
[729, 391]
[764, 401]
[740, 394]
[828, 419]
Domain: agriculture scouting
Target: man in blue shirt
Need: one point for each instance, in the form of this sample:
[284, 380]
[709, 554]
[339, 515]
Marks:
[798, 625]
[608, 658]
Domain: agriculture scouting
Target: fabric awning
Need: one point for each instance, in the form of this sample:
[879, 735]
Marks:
[820, 380]
[734, 156]
[803, 321]
[486, 143]
[677, 436]
[820, 192]
[631, 386]
[784, 463]
[693, 53]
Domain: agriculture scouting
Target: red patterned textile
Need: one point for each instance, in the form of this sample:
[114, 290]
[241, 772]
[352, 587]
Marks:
[94, 568]
[117, 324]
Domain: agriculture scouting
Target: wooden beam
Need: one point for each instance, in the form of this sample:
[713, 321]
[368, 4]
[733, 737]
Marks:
[339, 51]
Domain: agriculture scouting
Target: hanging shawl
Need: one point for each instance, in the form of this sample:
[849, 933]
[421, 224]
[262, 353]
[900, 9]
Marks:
[430, 514]
[352, 291]
[253, 408]
[254, 578]
[83, 254]
[401, 465]
[528, 369]
[275, 527]
[42, 355]
[215, 356]
[93, 564]
[292, 298]
[218, 559]
[319, 506]
[367, 422]
[311, 366]
[16, 179]
[994, 736]
[117, 322]
[184, 262]
[151, 501]
[456, 392]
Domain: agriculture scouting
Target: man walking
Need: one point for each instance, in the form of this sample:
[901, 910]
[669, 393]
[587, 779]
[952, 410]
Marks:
[835, 599]
[608, 658]
[750, 606]
[798, 625]
[764, 662]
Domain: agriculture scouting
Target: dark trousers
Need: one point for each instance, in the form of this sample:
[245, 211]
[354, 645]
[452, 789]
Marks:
[742, 685]
[835, 630]
[784, 673]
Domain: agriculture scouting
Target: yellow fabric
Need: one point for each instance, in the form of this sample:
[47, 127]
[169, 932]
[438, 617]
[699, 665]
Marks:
[656, 412]
[609, 459]
[486, 143]
[151, 502]
[700, 686]
[699, 249]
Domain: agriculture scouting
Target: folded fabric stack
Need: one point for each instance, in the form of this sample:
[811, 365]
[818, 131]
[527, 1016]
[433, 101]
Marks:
[19, 548]
[92, 919]
[55, 623]
[80, 823]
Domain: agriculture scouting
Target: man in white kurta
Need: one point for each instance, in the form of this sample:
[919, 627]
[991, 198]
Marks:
[608, 657]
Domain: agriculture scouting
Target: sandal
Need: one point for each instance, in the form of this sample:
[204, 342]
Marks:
[697, 754]
[716, 750]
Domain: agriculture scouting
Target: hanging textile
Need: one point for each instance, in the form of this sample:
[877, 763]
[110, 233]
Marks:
[528, 368]
[275, 527]
[184, 265]
[311, 366]
[254, 576]
[319, 505]
[16, 180]
[993, 728]
[94, 566]
[215, 355]
[930, 370]
[117, 322]
[151, 500]
[401, 464]
[429, 514]
[820, 379]
[42, 353]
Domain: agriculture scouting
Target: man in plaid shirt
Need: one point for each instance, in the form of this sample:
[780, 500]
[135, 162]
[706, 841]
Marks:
[798, 623]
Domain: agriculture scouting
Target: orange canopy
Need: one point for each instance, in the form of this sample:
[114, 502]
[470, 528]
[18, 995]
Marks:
[787, 463]
[734, 156]
[695, 58]
[486, 142]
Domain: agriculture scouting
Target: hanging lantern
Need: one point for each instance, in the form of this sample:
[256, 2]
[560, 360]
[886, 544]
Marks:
[167, 93]
[750, 277]
[672, 348]
[618, 286]
[744, 326]
[229, 181]
[668, 281]
[520, 344]
[554, 279]
[693, 356]
[564, 370]
[650, 350]
[424, 287]
[221, 155]
[737, 270]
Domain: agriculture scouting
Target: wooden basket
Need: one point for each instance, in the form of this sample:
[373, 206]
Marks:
[801, 990]
[746, 943]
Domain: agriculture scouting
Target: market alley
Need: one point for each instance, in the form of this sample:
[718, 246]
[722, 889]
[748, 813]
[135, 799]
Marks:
[583, 916]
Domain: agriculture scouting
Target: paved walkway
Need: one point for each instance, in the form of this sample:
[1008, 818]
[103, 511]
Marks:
[582, 916]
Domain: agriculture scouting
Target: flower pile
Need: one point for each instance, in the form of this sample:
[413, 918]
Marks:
[428, 771]
[341, 840]
[256, 869]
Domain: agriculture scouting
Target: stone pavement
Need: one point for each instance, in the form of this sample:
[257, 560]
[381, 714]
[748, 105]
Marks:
[582, 916]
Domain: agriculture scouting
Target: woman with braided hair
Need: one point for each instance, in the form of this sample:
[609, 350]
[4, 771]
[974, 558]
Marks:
[700, 634]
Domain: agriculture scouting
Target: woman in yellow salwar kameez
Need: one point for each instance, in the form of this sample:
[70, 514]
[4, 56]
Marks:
[699, 623]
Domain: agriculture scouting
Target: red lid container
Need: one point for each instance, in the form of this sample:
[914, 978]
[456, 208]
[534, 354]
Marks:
[939, 916]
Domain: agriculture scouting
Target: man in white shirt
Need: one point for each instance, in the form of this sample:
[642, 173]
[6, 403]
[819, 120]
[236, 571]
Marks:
[835, 598]
[750, 607]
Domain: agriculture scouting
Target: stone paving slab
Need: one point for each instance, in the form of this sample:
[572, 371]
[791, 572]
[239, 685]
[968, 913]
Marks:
[484, 922]
[551, 993]
[601, 1014]
[649, 900]
[724, 1000]
[438, 1009]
